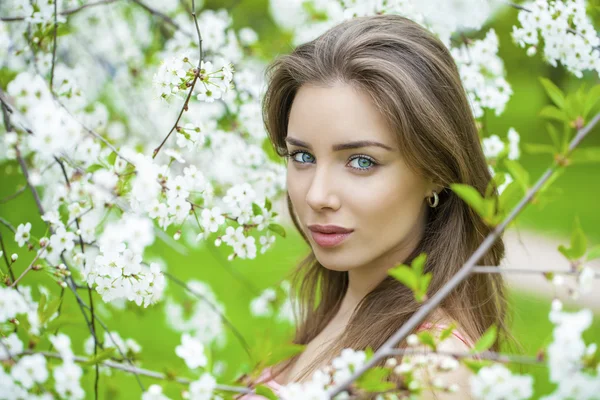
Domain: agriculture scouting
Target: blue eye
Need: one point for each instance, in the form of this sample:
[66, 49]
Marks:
[364, 163]
[302, 159]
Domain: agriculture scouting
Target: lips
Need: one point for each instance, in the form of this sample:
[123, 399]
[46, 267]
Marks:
[329, 235]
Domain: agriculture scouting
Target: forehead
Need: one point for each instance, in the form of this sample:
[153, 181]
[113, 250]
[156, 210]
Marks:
[335, 114]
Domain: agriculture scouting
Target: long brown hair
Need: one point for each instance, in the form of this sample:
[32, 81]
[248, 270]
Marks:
[412, 79]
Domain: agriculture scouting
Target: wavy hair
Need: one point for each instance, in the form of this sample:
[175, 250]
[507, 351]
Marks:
[413, 81]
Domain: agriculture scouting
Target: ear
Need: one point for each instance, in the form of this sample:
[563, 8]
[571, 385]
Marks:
[431, 187]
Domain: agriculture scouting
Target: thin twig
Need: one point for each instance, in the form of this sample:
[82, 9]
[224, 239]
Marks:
[466, 270]
[136, 370]
[66, 12]
[159, 14]
[196, 75]
[29, 268]
[226, 321]
[5, 256]
[14, 195]
[486, 355]
[502, 270]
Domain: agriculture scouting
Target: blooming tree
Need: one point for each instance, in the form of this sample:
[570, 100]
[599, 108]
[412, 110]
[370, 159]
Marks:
[87, 87]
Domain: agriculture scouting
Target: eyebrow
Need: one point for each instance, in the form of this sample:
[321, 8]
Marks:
[341, 146]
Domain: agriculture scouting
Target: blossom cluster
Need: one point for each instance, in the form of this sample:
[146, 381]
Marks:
[118, 272]
[274, 301]
[567, 32]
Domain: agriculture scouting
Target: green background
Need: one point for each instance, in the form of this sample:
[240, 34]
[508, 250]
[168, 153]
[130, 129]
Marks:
[580, 185]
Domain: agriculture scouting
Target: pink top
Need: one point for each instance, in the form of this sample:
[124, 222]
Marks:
[264, 377]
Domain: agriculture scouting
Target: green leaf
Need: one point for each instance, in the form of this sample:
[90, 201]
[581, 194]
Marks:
[519, 174]
[510, 196]
[112, 157]
[94, 167]
[41, 305]
[424, 282]
[553, 135]
[278, 229]
[486, 340]
[551, 112]
[475, 365]
[265, 391]
[535, 148]
[585, 155]
[101, 356]
[471, 196]
[268, 204]
[578, 240]
[405, 275]
[284, 352]
[50, 310]
[373, 380]
[553, 92]
[418, 263]
[427, 339]
[594, 253]
[256, 210]
[592, 98]
[447, 332]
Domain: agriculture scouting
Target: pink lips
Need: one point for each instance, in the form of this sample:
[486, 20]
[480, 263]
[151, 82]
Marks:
[329, 235]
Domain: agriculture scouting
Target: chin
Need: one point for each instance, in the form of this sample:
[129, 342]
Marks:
[336, 263]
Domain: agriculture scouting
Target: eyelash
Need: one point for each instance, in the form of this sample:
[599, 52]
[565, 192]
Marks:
[293, 153]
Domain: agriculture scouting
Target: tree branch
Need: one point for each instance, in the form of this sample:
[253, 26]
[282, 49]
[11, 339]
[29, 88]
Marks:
[196, 75]
[433, 302]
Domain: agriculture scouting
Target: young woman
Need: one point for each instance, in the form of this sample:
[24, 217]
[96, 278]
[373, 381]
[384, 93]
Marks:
[375, 125]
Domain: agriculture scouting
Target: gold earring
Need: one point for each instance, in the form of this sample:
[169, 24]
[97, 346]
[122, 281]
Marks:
[436, 200]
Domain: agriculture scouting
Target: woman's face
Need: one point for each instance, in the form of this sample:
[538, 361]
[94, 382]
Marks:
[368, 189]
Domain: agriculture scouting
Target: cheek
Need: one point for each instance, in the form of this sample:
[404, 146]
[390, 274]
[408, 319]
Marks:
[296, 190]
[381, 206]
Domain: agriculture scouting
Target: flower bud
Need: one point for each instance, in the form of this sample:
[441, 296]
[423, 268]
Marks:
[391, 362]
[14, 257]
[412, 340]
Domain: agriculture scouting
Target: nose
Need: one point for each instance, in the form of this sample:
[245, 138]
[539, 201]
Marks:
[321, 193]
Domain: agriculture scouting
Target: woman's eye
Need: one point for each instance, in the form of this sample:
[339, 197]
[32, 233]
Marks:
[362, 163]
[302, 159]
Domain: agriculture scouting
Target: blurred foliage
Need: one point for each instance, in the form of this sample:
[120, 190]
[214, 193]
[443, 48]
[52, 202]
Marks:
[579, 185]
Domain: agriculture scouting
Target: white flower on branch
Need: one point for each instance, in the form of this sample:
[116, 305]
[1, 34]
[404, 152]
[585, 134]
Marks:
[154, 392]
[23, 234]
[12, 343]
[67, 378]
[482, 74]
[567, 348]
[567, 31]
[248, 36]
[191, 350]
[62, 343]
[496, 382]
[262, 305]
[585, 280]
[30, 370]
[203, 388]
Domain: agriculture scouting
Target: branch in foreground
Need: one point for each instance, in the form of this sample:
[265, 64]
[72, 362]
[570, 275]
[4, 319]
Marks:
[486, 355]
[501, 270]
[431, 304]
[137, 371]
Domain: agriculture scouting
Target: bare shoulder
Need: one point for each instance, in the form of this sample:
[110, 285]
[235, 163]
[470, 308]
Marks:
[458, 377]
